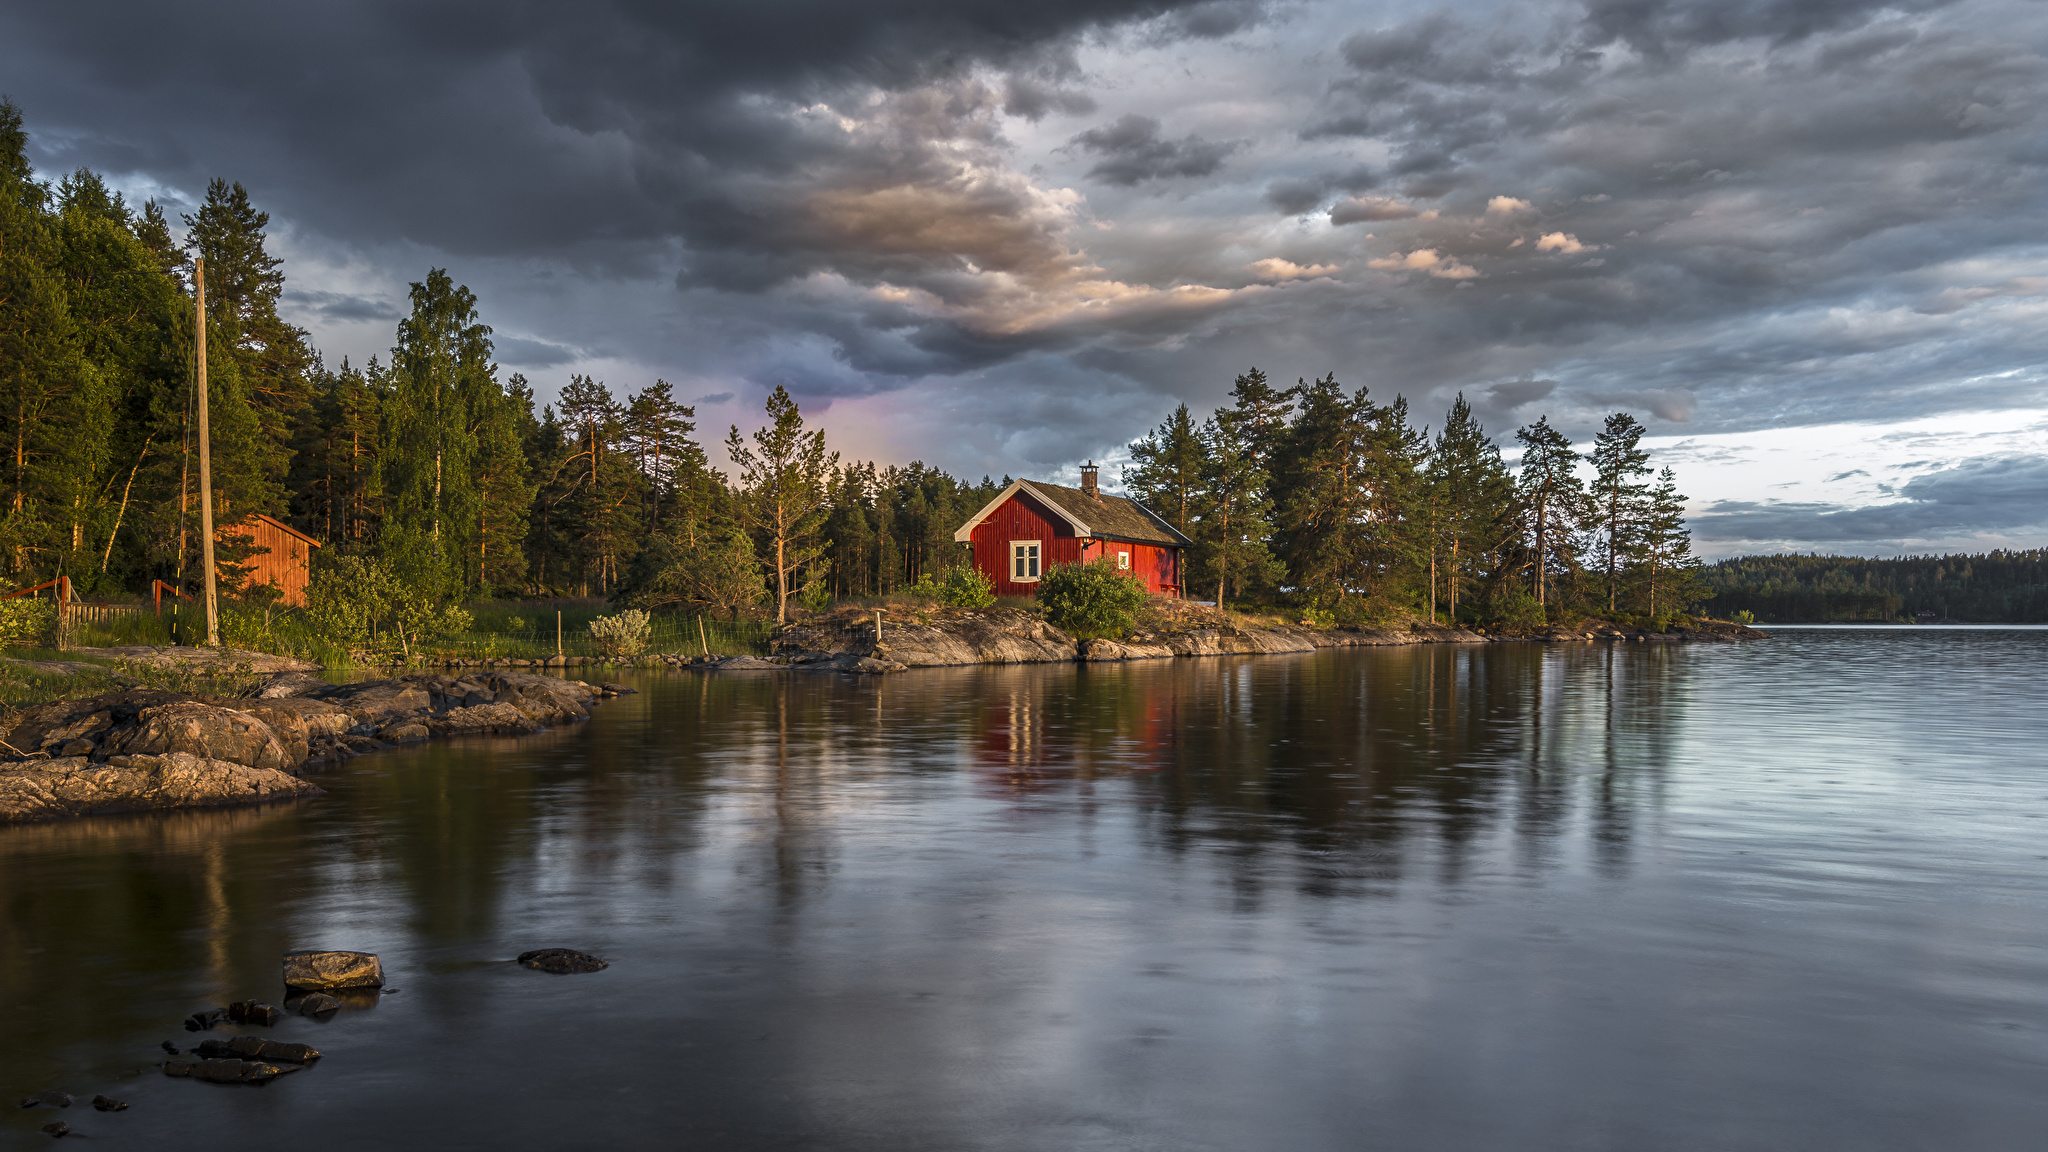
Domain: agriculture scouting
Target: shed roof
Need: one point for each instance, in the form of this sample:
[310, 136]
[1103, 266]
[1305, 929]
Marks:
[1110, 517]
[272, 521]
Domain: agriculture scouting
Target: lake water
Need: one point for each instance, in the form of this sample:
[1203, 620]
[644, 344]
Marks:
[1790, 894]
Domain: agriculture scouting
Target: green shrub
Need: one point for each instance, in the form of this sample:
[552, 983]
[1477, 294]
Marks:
[1091, 601]
[1517, 608]
[1320, 618]
[622, 634]
[357, 603]
[26, 623]
[956, 588]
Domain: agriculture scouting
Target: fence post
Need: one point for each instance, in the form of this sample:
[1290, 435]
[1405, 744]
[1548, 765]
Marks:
[702, 641]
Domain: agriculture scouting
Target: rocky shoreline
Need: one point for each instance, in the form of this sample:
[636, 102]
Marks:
[950, 637]
[144, 749]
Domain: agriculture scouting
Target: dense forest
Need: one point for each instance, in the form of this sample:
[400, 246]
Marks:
[428, 470]
[1993, 587]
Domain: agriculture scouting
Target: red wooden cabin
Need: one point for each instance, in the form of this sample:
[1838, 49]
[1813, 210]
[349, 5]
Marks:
[1032, 525]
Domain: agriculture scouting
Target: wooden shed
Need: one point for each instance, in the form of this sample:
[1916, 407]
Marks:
[1032, 525]
[283, 555]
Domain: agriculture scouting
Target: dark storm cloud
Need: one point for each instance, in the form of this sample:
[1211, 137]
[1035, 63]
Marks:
[1133, 151]
[1717, 215]
[524, 353]
[1982, 495]
[342, 306]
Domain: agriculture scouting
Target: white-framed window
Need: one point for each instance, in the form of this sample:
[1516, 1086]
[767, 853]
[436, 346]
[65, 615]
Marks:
[1024, 561]
[1123, 561]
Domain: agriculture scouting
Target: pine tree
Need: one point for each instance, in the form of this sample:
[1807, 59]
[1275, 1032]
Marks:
[784, 477]
[244, 284]
[442, 381]
[1231, 543]
[1672, 576]
[605, 485]
[1165, 474]
[1470, 500]
[660, 428]
[1618, 499]
[1553, 501]
[1321, 504]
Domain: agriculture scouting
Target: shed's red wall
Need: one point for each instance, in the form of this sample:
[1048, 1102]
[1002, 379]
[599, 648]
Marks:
[281, 558]
[1020, 518]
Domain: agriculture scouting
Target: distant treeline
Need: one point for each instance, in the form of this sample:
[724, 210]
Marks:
[430, 472]
[1992, 587]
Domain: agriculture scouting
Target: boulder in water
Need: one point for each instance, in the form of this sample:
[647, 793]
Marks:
[316, 1004]
[326, 971]
[109, 1104]
[252, 1012]
[562, 961]
[57, 1128]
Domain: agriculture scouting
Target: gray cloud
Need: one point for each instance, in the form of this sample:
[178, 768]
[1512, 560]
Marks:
[1982, 495]
[1132, 151]
[527, 353]
[341, 306]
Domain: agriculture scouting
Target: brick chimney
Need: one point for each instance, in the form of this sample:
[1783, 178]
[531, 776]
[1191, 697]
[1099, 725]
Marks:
[1088, 471]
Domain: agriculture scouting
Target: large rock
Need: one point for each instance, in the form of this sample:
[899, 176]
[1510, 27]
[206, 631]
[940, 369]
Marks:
[326, 971]
[562, 961]
[945, 636]
[204, 730]
[482, 719]
[75, 786]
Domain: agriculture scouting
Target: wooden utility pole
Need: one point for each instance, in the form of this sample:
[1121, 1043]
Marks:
[205, 466]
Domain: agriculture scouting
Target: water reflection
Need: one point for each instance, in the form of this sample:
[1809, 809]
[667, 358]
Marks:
[1228, 903]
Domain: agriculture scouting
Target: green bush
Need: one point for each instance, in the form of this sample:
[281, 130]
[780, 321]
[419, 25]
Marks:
[1091, 601]
[358, 603]
[1517, 608]
[956, 588]
[26, 623]
[622, 634]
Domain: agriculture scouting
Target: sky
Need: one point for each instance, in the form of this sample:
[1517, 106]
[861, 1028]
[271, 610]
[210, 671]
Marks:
[1802, 242]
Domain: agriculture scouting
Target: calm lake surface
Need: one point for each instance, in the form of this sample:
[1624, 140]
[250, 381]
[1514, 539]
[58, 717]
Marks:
[1790, 894]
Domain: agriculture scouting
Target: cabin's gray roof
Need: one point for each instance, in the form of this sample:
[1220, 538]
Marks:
[1110, 517]
[1117, 517]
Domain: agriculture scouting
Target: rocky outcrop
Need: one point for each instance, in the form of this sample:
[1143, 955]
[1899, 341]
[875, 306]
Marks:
[77, 786]
[145, 749]
[938, 638]
[203, 730]
[947, 636]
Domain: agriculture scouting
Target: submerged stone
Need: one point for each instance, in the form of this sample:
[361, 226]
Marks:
[562, 961]
[49, 1098]
[315, 1004]
[109, 1104]
[252, 1012]
[57, 1128]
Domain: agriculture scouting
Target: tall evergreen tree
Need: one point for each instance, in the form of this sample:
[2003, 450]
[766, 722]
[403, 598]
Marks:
[1619, 499]
[1554, 502]
[273, 365]
[442, 381]
[785, 478]
[1165, 474]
